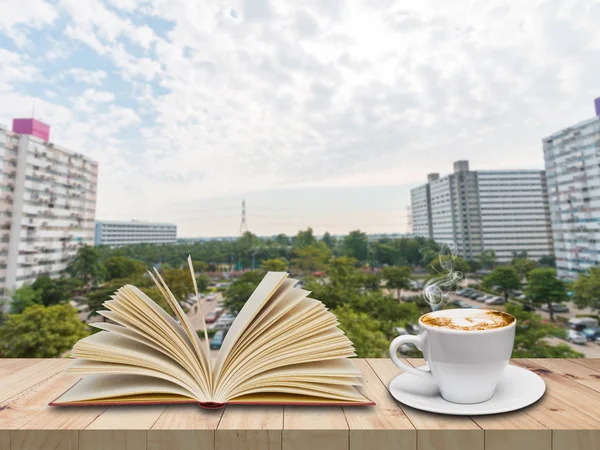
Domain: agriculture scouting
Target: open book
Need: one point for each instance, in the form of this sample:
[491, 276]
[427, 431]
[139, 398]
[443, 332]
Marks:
[282, 348]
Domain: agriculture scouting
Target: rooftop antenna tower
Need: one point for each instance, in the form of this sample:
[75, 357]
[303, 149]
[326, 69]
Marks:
[243, 225]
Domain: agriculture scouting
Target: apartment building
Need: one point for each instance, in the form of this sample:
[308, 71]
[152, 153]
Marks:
[47, 204]
[572, 158]
[503, 210]
[116, 233]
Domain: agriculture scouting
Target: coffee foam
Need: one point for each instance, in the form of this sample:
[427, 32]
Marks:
[475, 321]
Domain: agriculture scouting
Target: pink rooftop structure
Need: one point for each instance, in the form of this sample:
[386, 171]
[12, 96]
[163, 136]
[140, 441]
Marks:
[32, 127]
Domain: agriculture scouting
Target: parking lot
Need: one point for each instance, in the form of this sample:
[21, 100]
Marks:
[590, 350]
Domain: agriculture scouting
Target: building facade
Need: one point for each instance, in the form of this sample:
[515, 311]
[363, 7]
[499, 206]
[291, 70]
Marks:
[572, 158]
[116, 233]
[47, 204]
[502, 210]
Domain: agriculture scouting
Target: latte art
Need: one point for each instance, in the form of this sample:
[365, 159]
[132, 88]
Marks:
[468, 320]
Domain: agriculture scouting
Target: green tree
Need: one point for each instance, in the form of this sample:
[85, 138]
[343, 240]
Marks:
[329, 240]
[23, 298]
[179, 282]
[364, 332]
[503, 279]
[241, 289]
[457, 264]
[203, 281]
[200, 266]
[545, 288]
[304, 238]
[487, 259]
[274, 265]
[371, 281]
[41, 332]
[343, 286]
[397, 278]
[547, 261]
[86, 266]
[282, 240]
[356, 245]
[530, 333]
[587, 289]
[56, 290]
[523, 266]
[312, 258]
[123, 267]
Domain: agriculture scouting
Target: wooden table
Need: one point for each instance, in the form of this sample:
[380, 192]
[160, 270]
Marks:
[566, 418]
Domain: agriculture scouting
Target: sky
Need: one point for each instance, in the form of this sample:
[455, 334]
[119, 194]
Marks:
[322, 113]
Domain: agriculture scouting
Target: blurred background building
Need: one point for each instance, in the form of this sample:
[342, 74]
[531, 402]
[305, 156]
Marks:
[572, 159]
[116, 233]
[47, 204]
[502, 210]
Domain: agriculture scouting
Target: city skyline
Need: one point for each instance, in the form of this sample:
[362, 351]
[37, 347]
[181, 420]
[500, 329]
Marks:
[306, 111]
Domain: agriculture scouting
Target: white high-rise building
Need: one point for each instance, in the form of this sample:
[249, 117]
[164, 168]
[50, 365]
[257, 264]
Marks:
[501, 210]
[47, 204]
[115, 233]
[572, 157]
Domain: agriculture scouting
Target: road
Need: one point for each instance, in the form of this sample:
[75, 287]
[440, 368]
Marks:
[590, 350]
[194, 312]
[196, 317]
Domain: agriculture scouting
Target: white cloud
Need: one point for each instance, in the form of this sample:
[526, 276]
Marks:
[245, 95]
[94, 77]
[18, 15]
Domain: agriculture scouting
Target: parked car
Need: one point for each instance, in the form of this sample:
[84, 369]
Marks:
[481, 298]
[210, 297]
[527, 307]
[463, 292]
[580, 323]
[460, 304]
[556, 307]
[591, 334]
[211, 317]
[217, 340]
[576, 337]
[473, 294]
[495, 301]
[485, 298]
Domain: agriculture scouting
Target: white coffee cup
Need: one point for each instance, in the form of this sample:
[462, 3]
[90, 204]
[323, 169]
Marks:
[466, 365]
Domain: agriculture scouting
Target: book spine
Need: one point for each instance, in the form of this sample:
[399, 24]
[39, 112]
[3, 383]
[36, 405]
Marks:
[211, 405]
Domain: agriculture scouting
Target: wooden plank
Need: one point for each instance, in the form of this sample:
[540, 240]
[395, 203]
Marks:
[139, 417]
[120, 427]
[43, 440]
[593, 364]
[4, 439]
[518, 439]
[112, 439]
[576, 440]
[250, 428]
[568, 369]
[30, 375]
[570, 409]
[180, 440]
[29, 409]
[11, 365]
[384, 426]
[183, 427]
[316, 428]
[434, 431]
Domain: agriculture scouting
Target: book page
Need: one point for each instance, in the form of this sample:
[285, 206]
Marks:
[290, 332]
[97, 387]
[130, 306]
[112, 348]
[202, 357]
[263, 292]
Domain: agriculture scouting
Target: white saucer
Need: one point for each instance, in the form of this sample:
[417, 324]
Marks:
[517, 389]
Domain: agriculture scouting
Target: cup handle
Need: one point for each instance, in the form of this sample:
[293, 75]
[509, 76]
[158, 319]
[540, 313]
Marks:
[407, 339]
